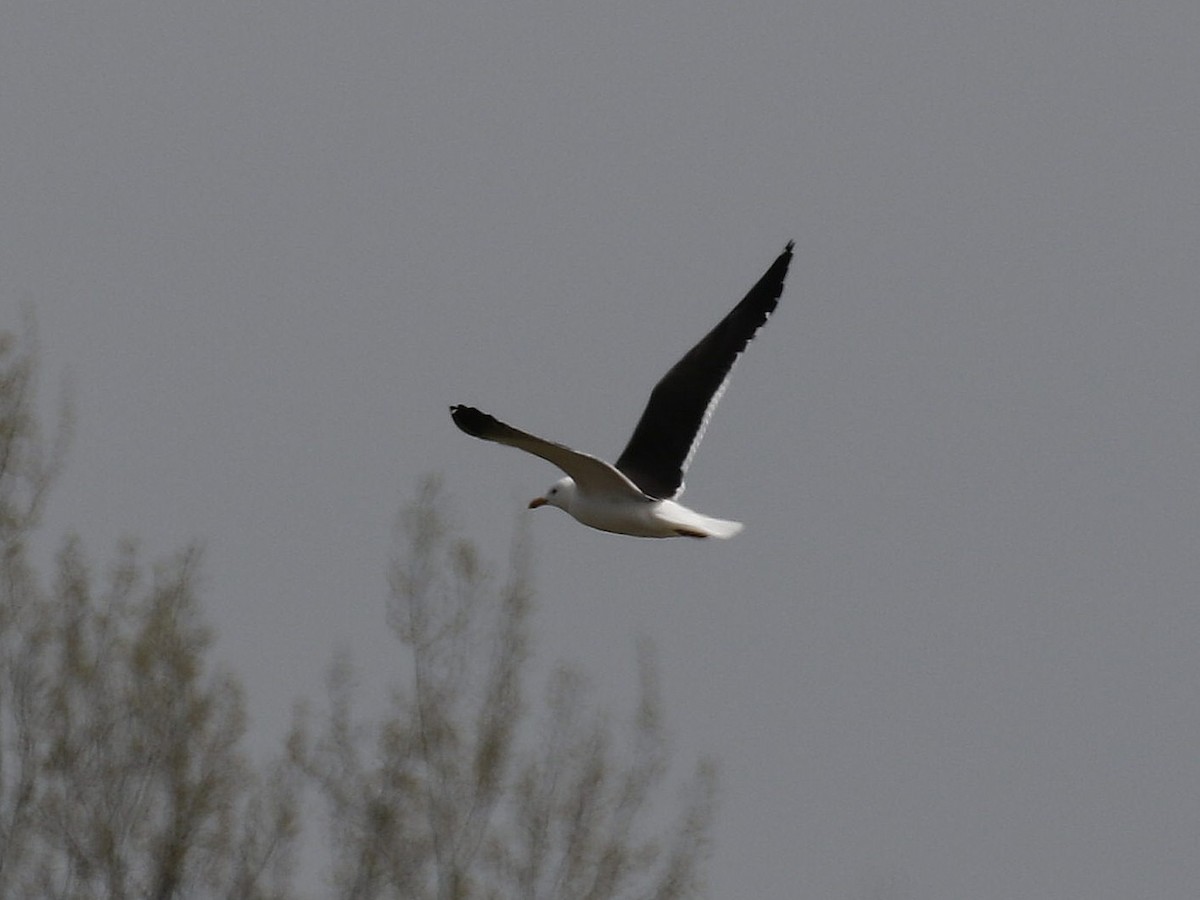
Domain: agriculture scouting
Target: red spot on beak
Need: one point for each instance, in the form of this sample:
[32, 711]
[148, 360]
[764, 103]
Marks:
[536, 502]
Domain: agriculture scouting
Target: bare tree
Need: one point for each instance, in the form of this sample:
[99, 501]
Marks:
[120, 774]
[455, 794]
[28, 466]
[121, 769]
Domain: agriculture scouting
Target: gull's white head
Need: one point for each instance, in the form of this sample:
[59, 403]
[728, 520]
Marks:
[561, 493]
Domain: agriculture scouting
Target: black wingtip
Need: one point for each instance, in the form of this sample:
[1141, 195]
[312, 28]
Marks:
[791, 245]
[470, 420]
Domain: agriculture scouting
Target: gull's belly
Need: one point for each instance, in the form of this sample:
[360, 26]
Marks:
[620, 516]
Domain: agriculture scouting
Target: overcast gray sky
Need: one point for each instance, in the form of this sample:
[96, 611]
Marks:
[956, 651]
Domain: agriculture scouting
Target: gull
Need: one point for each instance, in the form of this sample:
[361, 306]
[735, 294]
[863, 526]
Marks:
[637, 495]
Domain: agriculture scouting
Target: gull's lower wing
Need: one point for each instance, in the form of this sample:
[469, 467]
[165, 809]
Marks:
[591, 474]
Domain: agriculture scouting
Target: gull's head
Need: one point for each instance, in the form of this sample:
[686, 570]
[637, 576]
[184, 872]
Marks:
[559, 495]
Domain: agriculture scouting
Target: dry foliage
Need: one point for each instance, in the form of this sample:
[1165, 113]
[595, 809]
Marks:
[122, 773]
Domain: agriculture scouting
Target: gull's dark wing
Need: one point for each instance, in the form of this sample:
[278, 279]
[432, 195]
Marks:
[592, 475]
[680, 405]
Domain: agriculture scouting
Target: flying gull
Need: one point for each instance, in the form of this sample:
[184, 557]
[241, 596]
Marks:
[637, 495]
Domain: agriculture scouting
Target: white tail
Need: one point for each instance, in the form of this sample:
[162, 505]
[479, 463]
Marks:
[689, 523]
[719, 528]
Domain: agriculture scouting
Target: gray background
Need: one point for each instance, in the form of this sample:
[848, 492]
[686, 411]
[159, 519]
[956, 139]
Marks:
[955, 652]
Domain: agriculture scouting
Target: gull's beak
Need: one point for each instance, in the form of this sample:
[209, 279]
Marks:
[536, 502]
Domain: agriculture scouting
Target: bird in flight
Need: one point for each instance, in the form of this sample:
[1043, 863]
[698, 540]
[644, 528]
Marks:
[637, 495]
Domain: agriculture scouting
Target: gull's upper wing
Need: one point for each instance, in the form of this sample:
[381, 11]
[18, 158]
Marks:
[592, 475]
[680, 405]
